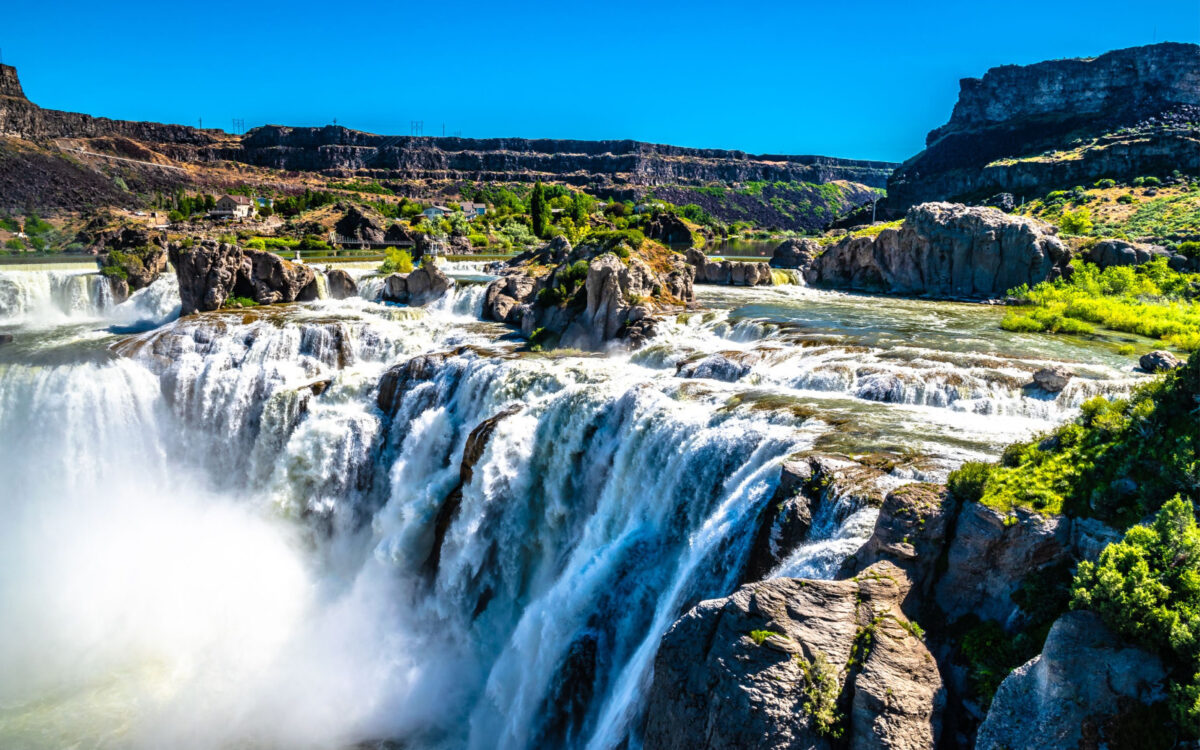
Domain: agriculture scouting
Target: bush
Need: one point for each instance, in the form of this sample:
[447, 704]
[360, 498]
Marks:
[396, 261]
[1190, 248]
[175, 217]
[1138, 181]
[1106, 183]
[968, 481]
[1151, 181]
[1147, 588]
[1078, 221]
[478, 240]
[12, 243]
[256, 243]
[1127, 198]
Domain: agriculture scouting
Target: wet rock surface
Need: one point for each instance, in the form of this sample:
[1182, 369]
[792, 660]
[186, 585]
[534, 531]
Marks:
[1159, 361]
[341, 284]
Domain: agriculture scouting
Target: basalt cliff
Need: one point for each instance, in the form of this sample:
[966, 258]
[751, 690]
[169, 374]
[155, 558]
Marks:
[1029, 129]
[53, 143]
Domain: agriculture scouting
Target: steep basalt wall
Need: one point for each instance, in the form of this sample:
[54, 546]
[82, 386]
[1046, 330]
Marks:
[1016, 113]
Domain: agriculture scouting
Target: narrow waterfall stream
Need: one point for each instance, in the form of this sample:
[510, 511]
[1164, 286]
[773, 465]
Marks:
[220, 531]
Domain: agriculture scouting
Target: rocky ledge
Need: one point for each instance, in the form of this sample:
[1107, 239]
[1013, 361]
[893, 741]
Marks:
[941, 250]
[589, 295]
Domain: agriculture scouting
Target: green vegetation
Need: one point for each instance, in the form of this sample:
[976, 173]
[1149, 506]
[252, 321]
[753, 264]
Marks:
[361, 186]
[821, 689]
[240, 302]
[760, 636]
[1147, 588]
[396, 261]
[539, 210]
[120, 264]
[1119, 461]
[293, 205]
[1078, 221]
[566, 285]
[1150, 300]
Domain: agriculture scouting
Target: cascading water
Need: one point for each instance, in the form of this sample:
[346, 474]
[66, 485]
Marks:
[225, 532]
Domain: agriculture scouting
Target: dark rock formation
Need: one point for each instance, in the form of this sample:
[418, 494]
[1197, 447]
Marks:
[356, 225]
[1159, 361]
[728, 272]
[1052, 379]
[1074, 693]
[419, 287]
[795, 253]
[668, 229]
[726, 366]
[1112, 252]
[209, 273]
[402, 377]
[1016, 111]
[945, 250]
[731, 672]
[140, 256]
[341, 284]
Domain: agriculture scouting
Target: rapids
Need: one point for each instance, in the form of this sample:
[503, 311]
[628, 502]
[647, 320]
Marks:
[218, 535]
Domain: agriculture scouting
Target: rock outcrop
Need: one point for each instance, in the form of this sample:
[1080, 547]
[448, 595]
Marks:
[1088, 107]
[728, 272]
[1075, 693]
[945, 250]
[669, 229]
[356, 225]
[617, 299]
[732, 672]
[991, 555]
[1052, 379]
[419, 287]
[211, 272]
[132, 257]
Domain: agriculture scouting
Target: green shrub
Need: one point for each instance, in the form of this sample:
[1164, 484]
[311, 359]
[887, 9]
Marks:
[1106, 183]
[821, 690]
[1138, 181]
[478, 240]
[1151, 181]
[240, 302]
[968, 481]
[1078, 221]
[1190, 248]
[255, 243]
[1126, 198]
[396, 261]
[1147, 588]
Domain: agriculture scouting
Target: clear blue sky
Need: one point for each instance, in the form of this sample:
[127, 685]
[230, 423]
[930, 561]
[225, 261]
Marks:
[862, 80]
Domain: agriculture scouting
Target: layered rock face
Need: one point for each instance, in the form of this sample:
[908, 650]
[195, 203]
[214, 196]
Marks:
[1021, 111]
[737, 672]
[211, 272]
[1075, 693]
[945, 250]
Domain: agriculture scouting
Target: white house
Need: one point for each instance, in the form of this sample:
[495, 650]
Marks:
[232, 207]
[435, 212]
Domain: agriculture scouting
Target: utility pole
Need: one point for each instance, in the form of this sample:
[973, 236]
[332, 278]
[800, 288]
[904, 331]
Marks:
[200, 120]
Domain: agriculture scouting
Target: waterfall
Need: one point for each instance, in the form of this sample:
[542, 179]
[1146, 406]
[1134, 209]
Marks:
[337, 522]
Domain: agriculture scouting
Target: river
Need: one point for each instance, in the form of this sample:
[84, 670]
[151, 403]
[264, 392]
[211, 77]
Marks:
[215, 536]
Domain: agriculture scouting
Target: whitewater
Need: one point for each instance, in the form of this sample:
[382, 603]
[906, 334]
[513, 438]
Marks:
[342, 522]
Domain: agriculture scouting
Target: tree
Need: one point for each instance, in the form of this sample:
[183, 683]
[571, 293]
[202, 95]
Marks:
[265, 210]
[539, 210]
[398, 261]
[1078, 221]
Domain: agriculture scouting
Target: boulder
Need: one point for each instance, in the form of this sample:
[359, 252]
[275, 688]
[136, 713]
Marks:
[795, 253]
[341, 285]
[726, 366]
[140, 253]
[1006, 202]
[945, 250]
[992, 553]
[210, 272]
[6, 338]
[1052, 379]
[1159, 361]
[420, 287]
[1075, 692]
[731, 673]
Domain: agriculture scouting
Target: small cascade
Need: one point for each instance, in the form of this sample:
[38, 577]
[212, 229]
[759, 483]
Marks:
[49, 296]
[787, 277]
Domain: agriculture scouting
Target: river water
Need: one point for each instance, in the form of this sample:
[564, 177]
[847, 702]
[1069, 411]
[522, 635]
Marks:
[215, 536]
